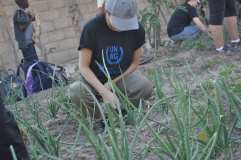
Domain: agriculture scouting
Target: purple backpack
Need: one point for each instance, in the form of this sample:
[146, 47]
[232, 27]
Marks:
[42, 75]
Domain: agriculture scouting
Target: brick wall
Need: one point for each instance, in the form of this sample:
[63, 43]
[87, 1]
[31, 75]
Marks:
[57, 30]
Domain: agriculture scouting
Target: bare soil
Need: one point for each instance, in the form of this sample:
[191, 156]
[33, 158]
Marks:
[204, 64]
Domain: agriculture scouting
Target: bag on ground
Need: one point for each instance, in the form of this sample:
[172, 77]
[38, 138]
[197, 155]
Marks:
[41, 76]
[10, 85]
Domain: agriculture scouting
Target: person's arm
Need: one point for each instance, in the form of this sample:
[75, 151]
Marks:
[31, 15]
[134, 65]
[201, 26]
[84, 63]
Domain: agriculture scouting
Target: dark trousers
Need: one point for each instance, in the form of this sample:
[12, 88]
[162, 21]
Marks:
[29, 53]
[10, 136]
[220, 9]
[29, 56]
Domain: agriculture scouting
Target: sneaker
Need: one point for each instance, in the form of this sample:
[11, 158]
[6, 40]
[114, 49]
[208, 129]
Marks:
[236, 134]
[229, 49]
[236, 45]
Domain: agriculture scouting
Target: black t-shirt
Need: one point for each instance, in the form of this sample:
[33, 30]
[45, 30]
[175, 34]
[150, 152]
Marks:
[182, 17]
[115, 48]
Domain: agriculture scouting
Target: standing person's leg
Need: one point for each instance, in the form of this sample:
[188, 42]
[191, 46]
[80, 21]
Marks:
[29, 57]
[137, 87]
[10, 136]
[230, 21]
[29, 53]
[217, 9]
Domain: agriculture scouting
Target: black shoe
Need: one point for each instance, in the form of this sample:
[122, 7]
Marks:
[229, 49]
[99, 127]
[236, 44]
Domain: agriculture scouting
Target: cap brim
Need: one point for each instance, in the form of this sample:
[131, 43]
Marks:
[125, 24]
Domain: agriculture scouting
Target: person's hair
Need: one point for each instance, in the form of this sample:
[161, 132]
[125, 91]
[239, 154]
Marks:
[22, 3]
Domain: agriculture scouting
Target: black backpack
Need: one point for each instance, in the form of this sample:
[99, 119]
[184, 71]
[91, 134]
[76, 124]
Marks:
[10, 85]
[41, 76]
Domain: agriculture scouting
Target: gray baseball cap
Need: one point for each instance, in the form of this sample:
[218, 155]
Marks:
[123, 14]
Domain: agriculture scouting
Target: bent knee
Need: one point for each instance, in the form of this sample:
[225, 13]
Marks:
[74, 93]
[147, 90]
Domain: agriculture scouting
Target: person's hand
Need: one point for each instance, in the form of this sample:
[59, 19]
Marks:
[31, 15]
[111, 98]
[108, 86]
[209, 34]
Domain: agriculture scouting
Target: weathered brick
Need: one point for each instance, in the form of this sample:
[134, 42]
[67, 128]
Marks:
[63, 56]
[67, 44]
[62, 23]
[50, 15]
[10, 10]
[7, 3]
[4, 47]
[1, 38]
[55, 36]
[44, 38]
[40, 6]
[55, 4]
[47, 26]
[69, 32]
[52, 47]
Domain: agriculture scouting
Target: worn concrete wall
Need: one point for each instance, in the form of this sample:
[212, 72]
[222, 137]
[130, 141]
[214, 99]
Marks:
[58, 29]
[7, 48]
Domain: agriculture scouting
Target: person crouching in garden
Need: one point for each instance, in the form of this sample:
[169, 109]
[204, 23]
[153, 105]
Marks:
[181, 27]
[113, 42]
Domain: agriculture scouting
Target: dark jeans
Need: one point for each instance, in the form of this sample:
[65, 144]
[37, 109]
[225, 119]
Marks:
[29, 56]
[29, 53]
[189, 32]
[10, 135]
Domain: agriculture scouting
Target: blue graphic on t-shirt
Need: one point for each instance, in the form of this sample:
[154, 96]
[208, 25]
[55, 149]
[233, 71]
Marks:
[114, 54]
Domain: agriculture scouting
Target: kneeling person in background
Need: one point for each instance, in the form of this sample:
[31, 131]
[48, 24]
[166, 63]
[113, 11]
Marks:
[111, 43]
[180, 26]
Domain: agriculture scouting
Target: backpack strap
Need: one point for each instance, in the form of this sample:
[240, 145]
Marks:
[46, 69]
[56, 67]
[29, 79]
